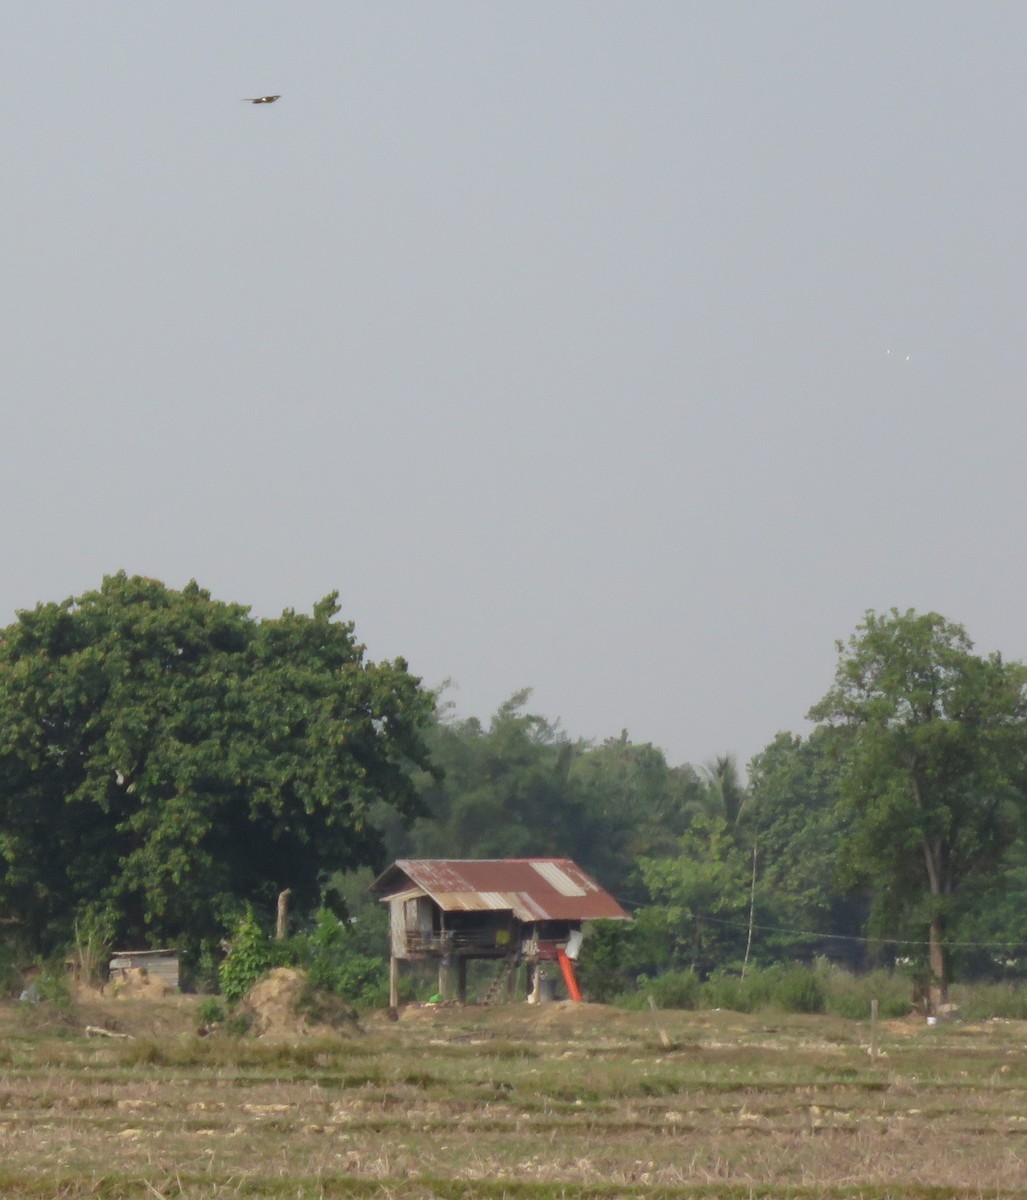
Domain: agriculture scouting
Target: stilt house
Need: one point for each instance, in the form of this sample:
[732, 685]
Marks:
[512, 910]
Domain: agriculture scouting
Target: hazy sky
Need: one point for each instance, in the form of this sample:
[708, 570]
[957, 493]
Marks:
[625, 351]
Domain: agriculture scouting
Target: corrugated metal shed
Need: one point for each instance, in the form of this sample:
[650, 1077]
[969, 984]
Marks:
[533, 889]
[162, 964]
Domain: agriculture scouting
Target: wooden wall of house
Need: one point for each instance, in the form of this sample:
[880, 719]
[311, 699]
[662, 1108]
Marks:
[410, 920]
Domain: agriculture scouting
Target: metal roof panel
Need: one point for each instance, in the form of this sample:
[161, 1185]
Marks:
[535, 889]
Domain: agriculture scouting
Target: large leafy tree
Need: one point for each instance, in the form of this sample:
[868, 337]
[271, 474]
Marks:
[934, 764]
[636, 804]
[798, 826]
[507, 790]
[169, 757]
[520, 787]
[701, 896]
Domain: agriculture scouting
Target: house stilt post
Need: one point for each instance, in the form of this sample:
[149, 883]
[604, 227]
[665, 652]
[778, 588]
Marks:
[393, 982]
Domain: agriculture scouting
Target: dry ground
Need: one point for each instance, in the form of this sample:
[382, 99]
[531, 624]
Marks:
[563, 1101]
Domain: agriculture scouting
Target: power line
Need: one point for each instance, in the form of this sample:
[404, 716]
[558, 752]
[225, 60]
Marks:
[635, 905]
[866, 941]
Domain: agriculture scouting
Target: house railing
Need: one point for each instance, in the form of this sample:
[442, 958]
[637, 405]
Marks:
[482, 941]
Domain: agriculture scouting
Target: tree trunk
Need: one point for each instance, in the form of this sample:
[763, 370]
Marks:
[937, 959]
[282, 923]
[939, 994]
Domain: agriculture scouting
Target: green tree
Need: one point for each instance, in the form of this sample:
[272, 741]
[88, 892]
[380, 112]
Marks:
[701, 896]
[798, 826]
[934, 764]
[521, 787]
[722, 794]
[989, 931]
[503, 792]
[171, 757]
[637, 805]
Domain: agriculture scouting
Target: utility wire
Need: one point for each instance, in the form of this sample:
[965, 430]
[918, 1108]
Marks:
[865, 941]
[635, 905]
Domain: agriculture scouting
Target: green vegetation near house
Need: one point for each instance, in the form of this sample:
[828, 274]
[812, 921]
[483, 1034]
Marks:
[171, 766]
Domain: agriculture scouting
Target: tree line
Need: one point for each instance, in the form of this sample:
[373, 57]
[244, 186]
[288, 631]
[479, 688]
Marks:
[168, 762]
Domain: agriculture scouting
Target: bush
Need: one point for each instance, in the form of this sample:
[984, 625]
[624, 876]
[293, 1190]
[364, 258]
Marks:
[11, 982]
[985, 1001]
[201, 967]
[601, 969]
[52, 987]
[823, 988]
[94, 935]
[800, 990]
[238, 1025]
[759, 987]
[784, 988]
[726, 991]
[326, 1008]
[210, 1011]
[247, 961]
[848, 995]
[676, 989]
[334, 964]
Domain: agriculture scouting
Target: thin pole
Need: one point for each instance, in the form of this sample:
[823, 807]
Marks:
[752, 912]
[873, 1028]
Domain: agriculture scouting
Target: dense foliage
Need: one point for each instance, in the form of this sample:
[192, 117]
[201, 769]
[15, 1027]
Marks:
[168, 764]
[521, 787]
[168, 758]
[932, 745]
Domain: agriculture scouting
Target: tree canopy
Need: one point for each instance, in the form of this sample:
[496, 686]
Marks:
[169, 757]
[520, 787]
[933, 746]
[167, 760]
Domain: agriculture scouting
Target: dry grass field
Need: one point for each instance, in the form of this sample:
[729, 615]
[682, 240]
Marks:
[564, 1102]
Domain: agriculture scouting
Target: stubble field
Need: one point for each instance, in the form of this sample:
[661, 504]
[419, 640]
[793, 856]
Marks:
[564, 1101]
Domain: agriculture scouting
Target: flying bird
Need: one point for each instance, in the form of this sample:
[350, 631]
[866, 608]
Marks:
[260, 99]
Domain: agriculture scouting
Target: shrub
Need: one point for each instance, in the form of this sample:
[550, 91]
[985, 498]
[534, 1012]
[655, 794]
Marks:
[601, 969]
[239, 1024]
[800, 990]
[10, 976]
[985, 1001]
[334, 964]
[848, 995]
[210, 1011]
[759, 987]
[249, 958]
[725, 991]
[201, 967]
[52, 988]
[675, 989]
[94, 935]
[326, 1008]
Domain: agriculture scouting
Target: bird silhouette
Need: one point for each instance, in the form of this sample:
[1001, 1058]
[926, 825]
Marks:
[260, 99]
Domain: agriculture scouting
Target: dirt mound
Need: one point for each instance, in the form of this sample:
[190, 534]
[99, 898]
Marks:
[583, 1010]
[278, 1006]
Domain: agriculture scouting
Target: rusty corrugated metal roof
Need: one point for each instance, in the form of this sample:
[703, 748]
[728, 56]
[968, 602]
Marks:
[533, 889]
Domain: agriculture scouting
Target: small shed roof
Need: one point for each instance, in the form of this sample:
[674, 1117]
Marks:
[533, 889]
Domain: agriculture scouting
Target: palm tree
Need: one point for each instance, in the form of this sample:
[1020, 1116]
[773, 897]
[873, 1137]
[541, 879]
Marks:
[723, 793]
